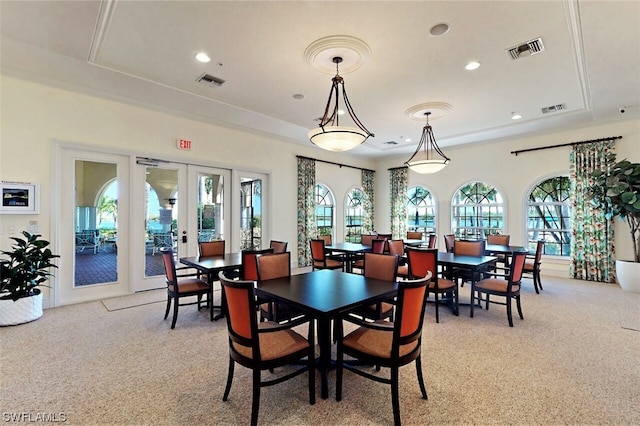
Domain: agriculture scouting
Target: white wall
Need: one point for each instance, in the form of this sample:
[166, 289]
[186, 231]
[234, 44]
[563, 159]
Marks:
[513, 176]
[34, 115]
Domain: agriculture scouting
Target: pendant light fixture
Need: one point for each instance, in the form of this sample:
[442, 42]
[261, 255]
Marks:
[428, 157]
[330, 135]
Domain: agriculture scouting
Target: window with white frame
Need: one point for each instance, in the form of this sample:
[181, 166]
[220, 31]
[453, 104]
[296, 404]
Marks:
[354, 215]
[421, 210]
[549, 216]
[324, 210]
[477, 211]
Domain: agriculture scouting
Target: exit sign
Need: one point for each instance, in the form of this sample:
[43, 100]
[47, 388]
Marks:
[184, 144]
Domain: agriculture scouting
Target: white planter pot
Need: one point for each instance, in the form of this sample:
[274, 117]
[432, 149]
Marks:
[25, 309]
[628, 275]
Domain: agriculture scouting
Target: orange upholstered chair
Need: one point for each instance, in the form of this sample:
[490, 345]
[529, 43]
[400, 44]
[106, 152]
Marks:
[320, 260]
[181, 285]
[507, 286]
[532, 266]
[265, 345]
[424, 261]
[387, 344]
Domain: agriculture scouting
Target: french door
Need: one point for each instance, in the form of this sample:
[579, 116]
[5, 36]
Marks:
[180, 205]
[91, 220]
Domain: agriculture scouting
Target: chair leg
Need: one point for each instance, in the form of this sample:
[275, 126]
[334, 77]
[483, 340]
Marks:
[255, 403]
[420, 378]
[176, 304]
[509, 317]
[166, 313]
[395, 397]
[519, 307]
[487, 303]
[227, 388]
[457, 304]
[312, 364]
[435, 295]
[537, 278]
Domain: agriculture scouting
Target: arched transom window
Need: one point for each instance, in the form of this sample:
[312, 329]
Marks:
[421, 210]
[477, 211]
[324, 210]
[354, 215]
[549, 216]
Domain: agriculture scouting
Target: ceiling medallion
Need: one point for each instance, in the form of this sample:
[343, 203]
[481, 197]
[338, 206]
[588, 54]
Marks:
[353, 51]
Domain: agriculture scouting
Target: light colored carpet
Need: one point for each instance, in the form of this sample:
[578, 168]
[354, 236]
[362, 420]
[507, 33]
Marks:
[570, 362]
[133, 300]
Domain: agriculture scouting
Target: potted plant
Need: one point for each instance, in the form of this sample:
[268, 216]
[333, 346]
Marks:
[25, 268]
[617, 192]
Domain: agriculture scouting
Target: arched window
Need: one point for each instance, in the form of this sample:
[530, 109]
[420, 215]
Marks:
[549, 216]
[324, 210]
[477, 210]
[354, 215]
[421, 210]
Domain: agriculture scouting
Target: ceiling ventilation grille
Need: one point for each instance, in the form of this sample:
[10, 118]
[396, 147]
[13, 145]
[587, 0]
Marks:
[527, 49]
[553, 108]
[209, 79]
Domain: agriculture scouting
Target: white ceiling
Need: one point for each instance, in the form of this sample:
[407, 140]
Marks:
[142, 52]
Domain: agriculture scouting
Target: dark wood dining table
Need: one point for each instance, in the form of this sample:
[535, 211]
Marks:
[325, 295]
[475, 265]
[350, 251]
[211, 266]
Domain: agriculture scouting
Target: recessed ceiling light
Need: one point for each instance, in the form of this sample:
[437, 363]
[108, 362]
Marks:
[203, 57]
[473, 65]
[340, 112]
[439, 29]
[298, 96]
[515, 116]
[407, 140]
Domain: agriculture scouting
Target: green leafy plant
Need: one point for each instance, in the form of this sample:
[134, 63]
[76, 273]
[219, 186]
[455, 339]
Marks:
[26, 267]
[617, 192]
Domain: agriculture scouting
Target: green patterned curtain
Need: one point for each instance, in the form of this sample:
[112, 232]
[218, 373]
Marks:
[592, 246]
[399, 185]
[368, 187]
[307, 227]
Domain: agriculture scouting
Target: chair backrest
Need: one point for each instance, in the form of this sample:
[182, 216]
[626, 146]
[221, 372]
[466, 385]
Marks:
[410, 305]
[327, 239]
[242, 322]
[211, 248]
[516, 268]
[498, 239]
[278, 246]
[317, 250]
[421, 261]
[469, 248]
[433, 239]
[384, 236]
[169, 268]
[449, 242]
[414, 235]
[367, 240]
[377, 246]
[396, 247]
[539, 250]
[381, 266]
[249, 272]
[270, 266]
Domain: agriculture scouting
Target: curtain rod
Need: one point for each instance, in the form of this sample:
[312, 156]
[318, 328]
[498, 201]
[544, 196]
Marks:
[397, 168]
[335, 164]
[566, 144]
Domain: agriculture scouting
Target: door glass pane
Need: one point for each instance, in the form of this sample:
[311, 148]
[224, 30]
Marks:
[210, 207]
[161, 201]
[251, 214]
[95, 223]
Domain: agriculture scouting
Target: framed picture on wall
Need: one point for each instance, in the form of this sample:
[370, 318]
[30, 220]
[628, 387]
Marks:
[19, 198]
